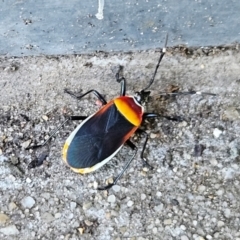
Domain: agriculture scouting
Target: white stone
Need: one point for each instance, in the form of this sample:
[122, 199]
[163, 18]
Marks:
[111, 198]
[184, 237]
[9, 230]
[28, 202]
[129, 203]
[217, 132]
[116, 188]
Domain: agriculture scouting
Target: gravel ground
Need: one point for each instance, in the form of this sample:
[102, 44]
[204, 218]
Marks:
[192, 192]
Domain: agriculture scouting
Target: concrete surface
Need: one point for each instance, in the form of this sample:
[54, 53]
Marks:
[192, 191]
[55, 27]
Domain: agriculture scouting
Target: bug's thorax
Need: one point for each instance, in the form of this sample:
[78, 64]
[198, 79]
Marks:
[130, 109]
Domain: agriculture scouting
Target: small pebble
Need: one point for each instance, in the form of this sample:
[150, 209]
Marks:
[220, 224]
[214, 162]
[220, 192]
[86, 205]
[12, 206]
[81, 230]
[174, 202]
[201, 188]
[153, 135]
[227, 213]
[73, 205]
[175, 169]
[167, 222]
[3, 218]
[110, 180]
[184, 237]
[10, 129]
[143, 196]
[46, 195]
[217, 132]
[14, 160]
[47, 217]
[88, 223]
[198, 150]
[45, 117]
[158, 208]
[70, 216]
[183, 227]
[231, 113]
[145, 169]
[108, 215]
[157, 221]
[95, 185]
[9, 230]
[26, 144]
[159, 194]
[154, 230]
[216, 235]
[116, 188]
[57, 215]
[129, 203]
[182, 124]
[28, 180]
[209, 237]
[195, 222]
[111, 199]
[114, 213]
[28, 202]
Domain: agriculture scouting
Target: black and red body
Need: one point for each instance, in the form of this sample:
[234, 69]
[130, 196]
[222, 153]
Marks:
[99, 137]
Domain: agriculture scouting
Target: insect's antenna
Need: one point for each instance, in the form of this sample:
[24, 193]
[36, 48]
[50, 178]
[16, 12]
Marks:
[159, 61]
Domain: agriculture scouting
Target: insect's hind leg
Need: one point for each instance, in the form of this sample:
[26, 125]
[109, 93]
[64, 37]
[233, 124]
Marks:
[72, 118]
[123, 170]
[95, 92]
[133, 147]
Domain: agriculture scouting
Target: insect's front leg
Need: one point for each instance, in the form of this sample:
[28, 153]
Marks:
[121, 80]
[95, 92]
[153, 115]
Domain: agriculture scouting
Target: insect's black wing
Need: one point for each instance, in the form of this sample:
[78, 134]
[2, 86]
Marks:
[98, 138]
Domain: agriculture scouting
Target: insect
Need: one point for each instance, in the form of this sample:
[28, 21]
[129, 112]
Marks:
[100, 136]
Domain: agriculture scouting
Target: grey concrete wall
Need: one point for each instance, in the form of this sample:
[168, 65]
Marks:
[35, 27]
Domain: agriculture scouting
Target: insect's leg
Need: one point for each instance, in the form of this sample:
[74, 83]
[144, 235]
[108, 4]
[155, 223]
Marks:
[144, 147]
[121, 80]
[56, 130]
[186, 93]
[152, 115]
[96, 93]
[155, 115]
[121, 173]
[133, 146]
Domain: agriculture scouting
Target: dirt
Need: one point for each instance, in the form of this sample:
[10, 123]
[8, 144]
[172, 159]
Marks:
[192, 192]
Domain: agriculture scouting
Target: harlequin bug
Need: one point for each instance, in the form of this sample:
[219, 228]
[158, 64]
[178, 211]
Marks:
[100, 136]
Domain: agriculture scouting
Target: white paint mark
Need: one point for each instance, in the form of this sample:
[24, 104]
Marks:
[99, 15]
